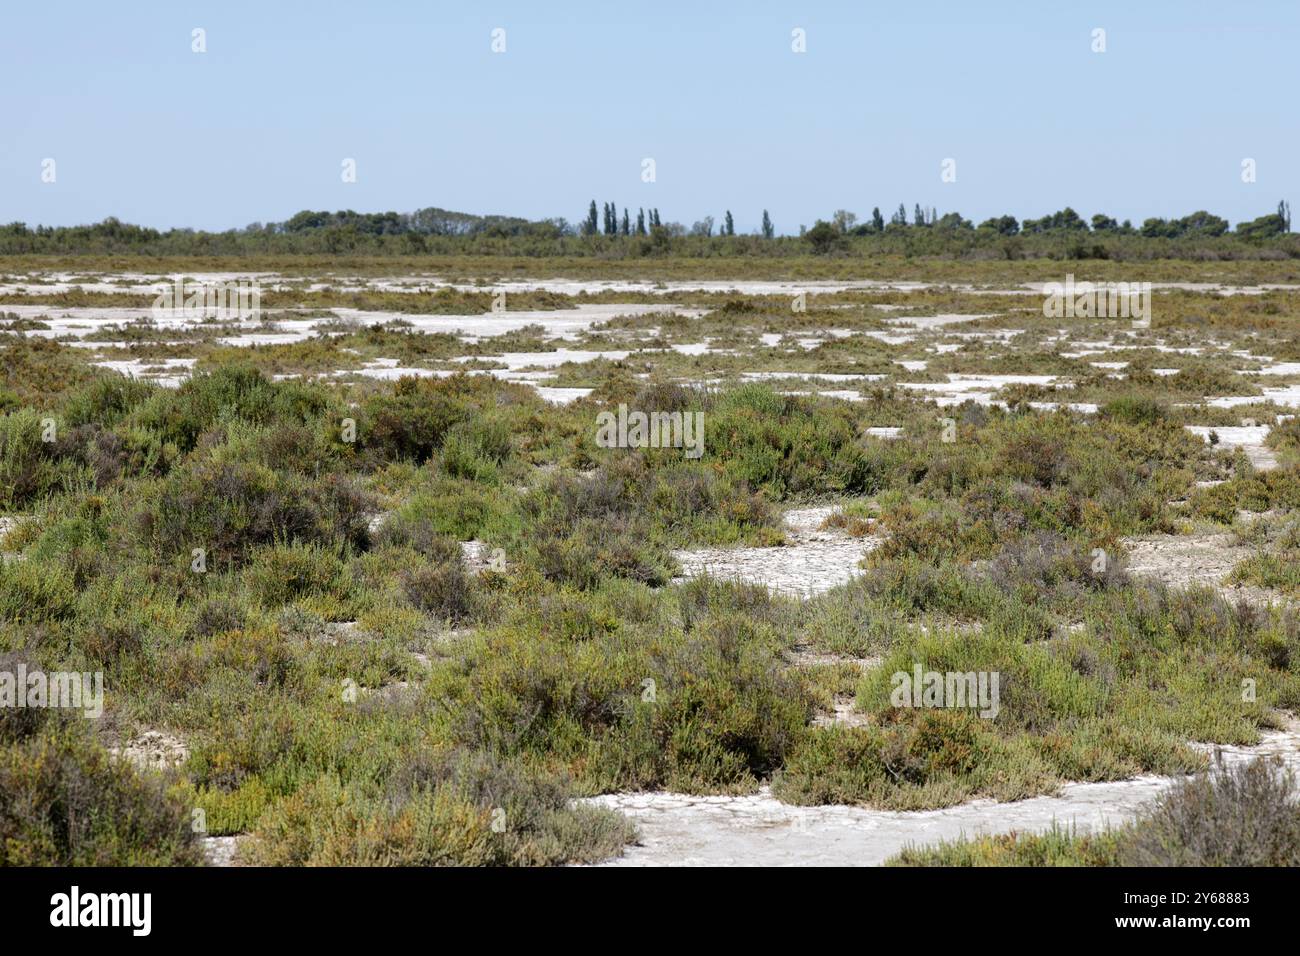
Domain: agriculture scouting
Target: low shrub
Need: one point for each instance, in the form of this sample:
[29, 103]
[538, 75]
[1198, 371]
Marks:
[65, 802]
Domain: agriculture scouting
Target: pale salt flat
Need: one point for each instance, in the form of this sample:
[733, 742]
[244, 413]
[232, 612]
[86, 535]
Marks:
[252, 339]
[1281, 368]
[934, 321]
[554, 394]
[513, 361]
[1084, 349]
[979, 389]
[1201, 560]
[1086, 408]
[177, 370]
[814, 376]
[1288, 397]
[132, 283]
[845, 394]
[1248, 438]
[561, 323]
[758, 830]
[57, 282]
[111, 346]
[812, 562]
[890, 338]
[995, 335]
[761, 287]
[1215, 288]
[577, 287]
[81, 321]
[391, 373]
[168, 372]
[562, 396]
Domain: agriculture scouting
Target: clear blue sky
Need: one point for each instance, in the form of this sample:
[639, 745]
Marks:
[256, 128]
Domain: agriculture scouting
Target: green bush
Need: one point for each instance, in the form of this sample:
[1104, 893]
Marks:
[1243, 815]
[32, 592]
[106, 401]
[65, 802]
[283, 573]
[230, 509]
[444, 591]
[232, 393]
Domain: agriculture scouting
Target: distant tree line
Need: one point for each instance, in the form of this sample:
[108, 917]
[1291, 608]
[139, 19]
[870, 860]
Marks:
[425, 222]
[611, 230]
[1199, 223]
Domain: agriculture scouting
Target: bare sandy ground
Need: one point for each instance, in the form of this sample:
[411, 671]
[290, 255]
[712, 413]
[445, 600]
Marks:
[221, 850]
[1249, 438]
[813, 561]
[758, 830]
[153, 750]
[51, 283]
[80, 321]
[1206, 560]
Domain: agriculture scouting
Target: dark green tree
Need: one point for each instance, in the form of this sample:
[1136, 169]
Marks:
[1201, 223]
[1065, 219]
[769, 230]
[1003, 225]
[1265, 227]
[824, 237]
[951, 221]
